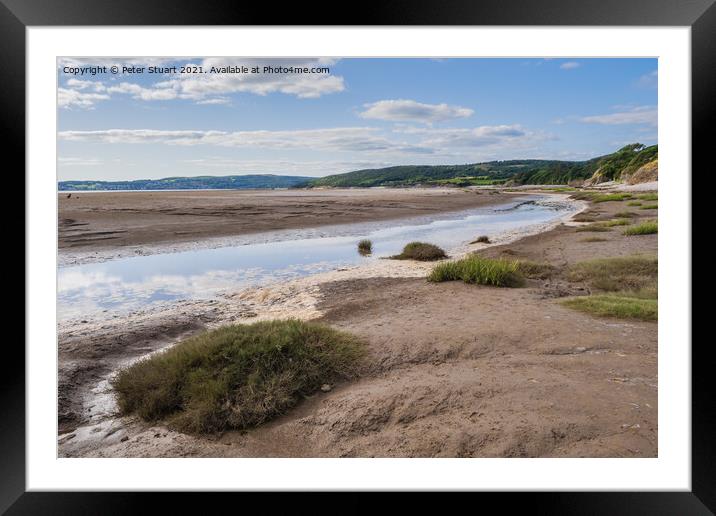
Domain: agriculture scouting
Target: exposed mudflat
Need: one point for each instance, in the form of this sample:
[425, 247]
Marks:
[95, 226]
[453, 370]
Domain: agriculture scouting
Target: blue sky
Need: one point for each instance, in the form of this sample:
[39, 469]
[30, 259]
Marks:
[360, 113]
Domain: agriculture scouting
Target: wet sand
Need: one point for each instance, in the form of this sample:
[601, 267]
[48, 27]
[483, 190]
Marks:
[453, 370]
[113, 224]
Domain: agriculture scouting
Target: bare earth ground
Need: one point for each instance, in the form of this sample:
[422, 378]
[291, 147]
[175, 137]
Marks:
[454, 370]
[98, 220]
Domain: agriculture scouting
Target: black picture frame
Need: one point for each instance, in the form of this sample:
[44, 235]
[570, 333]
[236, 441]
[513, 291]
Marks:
[700, 15]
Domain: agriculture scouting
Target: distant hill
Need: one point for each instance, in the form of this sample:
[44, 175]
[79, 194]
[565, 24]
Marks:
[188, 183]
[616, 166]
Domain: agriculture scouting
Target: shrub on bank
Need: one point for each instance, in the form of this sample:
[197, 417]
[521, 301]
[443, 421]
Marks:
[420, 251]
[237, 376]
[365, 246]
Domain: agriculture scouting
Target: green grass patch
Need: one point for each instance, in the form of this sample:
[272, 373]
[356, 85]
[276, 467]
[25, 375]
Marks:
[365, 247]
[237, 376]
[633, 203]
[626, 214]
[479, 270]
[648, 197]
[630, 273]
[650, 207]
[612, 197]
[609, 305]
[420, 251]
[615, 222]
[646, 228]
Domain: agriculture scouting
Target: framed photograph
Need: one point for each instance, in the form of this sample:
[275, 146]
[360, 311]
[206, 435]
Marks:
[419, 252]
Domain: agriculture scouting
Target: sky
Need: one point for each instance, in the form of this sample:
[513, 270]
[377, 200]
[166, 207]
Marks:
[321, 116]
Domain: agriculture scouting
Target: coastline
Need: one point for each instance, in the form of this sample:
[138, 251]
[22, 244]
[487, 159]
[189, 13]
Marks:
[378, 301]
[158, 327]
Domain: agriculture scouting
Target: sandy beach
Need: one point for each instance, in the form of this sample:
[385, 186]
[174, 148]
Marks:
[453, 370]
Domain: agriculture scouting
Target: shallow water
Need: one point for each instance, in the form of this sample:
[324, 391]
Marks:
[127, 284]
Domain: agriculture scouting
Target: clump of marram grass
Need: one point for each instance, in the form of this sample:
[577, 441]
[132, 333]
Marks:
[627, 273]
[237, 376]
[634, 203]
[609, 305]
[650, 207]
[479, 270]
[365, 246]
[483, 239]
[646, 228]
[420, 251]
[594, 239]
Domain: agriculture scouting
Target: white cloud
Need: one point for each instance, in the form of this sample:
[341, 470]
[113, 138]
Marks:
[402, 110]
[79, 84]
[212, 88]
[283, 167]
[215, 101]
[356, 139]
[67, 98]
[569, 65]
[483, 136]
[649, 80]
[636, 115]
[77, 161]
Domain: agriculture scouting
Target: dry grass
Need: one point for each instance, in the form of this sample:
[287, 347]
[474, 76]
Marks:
[629, 273]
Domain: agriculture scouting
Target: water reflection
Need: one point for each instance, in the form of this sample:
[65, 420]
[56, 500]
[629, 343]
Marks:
[131, 283]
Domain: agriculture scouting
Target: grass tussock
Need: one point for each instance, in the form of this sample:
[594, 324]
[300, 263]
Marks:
[650, 207]
[479, 270]
[633, 203]
[648, 197]
[420, 251]
[615, 222]
[628, 273]
[365, 247]
[237, 376]
[609, 305]
[484, 239]
[646, 228]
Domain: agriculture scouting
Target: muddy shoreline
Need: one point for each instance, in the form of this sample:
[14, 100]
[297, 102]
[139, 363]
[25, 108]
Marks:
[464, 329]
